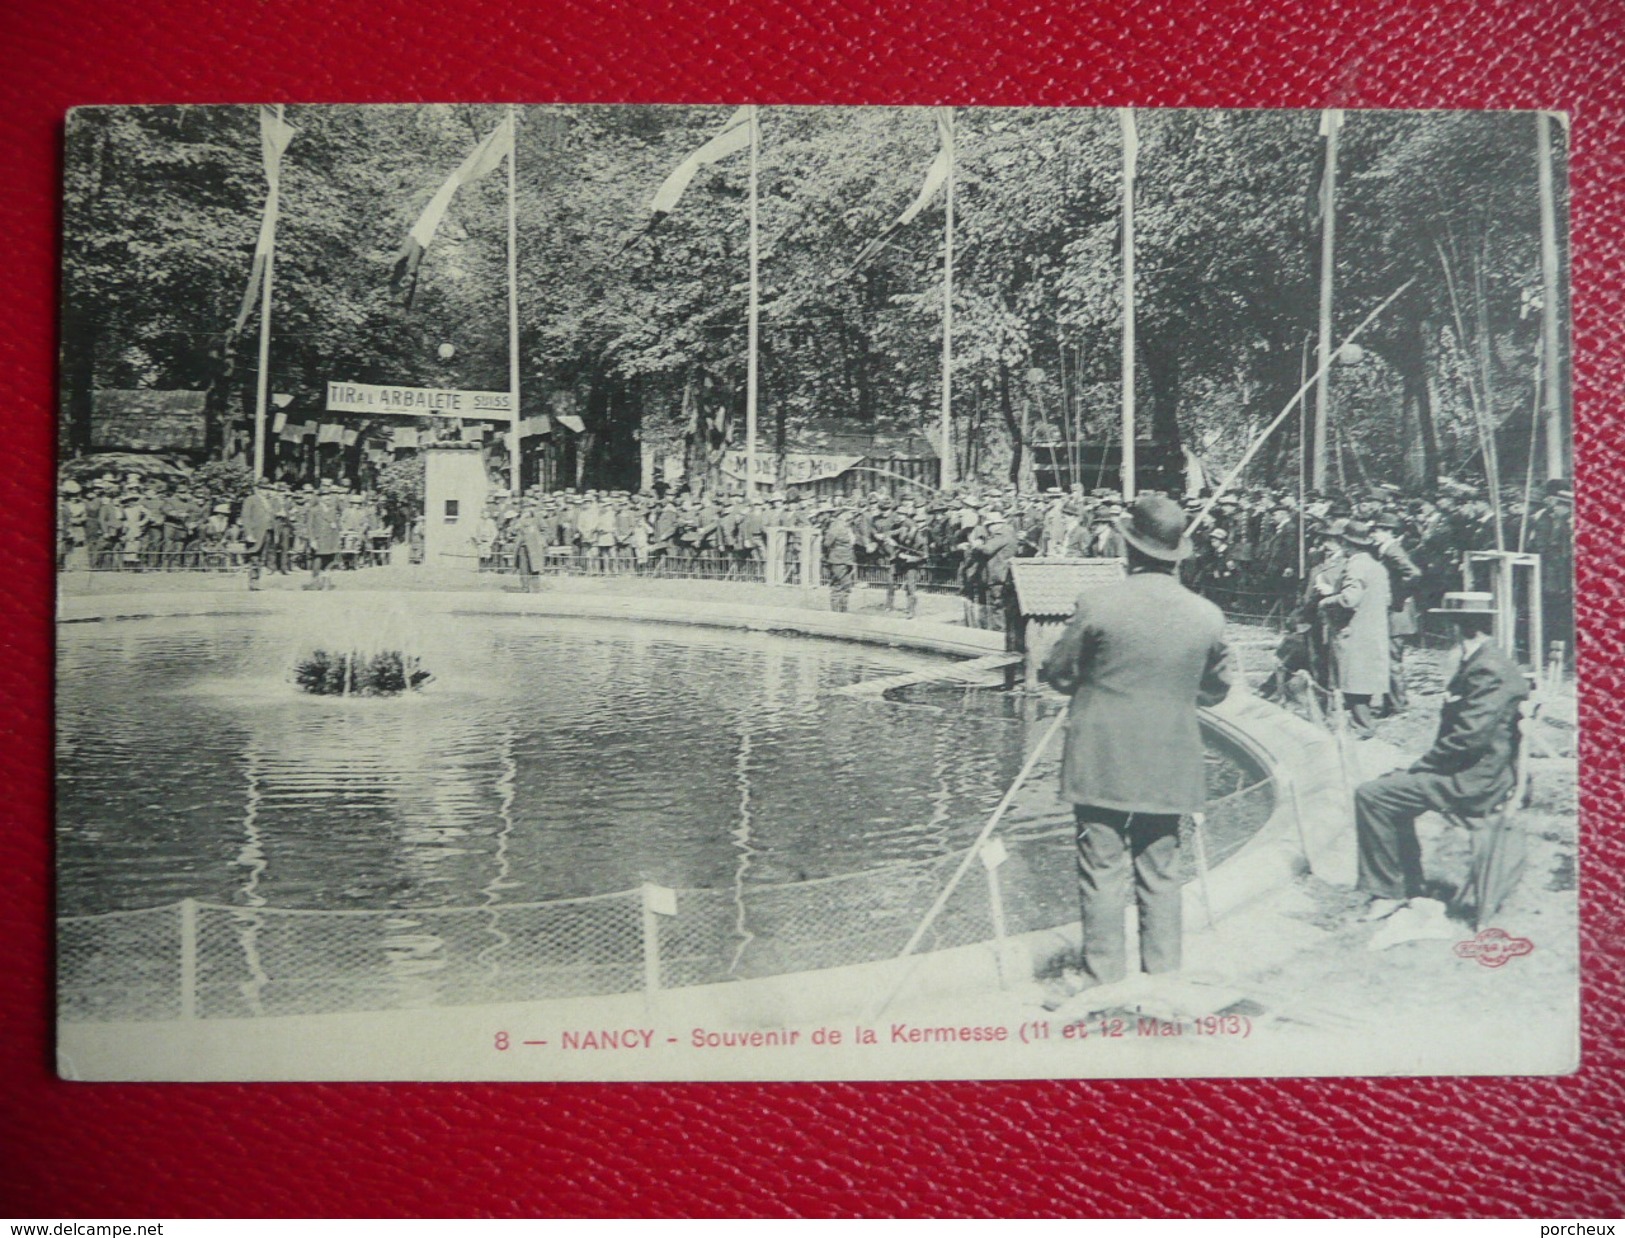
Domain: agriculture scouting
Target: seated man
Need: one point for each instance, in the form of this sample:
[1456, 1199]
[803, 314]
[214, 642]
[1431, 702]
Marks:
[1470, 770]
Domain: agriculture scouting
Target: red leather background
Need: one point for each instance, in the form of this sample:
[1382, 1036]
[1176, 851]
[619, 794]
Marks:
[1423, 1146]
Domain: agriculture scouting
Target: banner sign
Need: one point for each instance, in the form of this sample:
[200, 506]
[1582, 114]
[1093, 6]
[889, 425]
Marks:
[142, 420]
[798, 467]
[345, 397]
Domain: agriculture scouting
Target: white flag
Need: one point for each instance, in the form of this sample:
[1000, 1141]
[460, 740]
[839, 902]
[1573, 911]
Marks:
[731, 139]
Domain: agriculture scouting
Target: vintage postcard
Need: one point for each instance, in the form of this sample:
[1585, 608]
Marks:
[732, 592]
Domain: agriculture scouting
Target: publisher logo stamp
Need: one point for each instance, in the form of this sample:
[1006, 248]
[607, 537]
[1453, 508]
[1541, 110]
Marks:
[1494, 947]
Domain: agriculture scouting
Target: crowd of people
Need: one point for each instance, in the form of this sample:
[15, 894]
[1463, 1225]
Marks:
[157, 524]
[1258, 552]
[1249, 554]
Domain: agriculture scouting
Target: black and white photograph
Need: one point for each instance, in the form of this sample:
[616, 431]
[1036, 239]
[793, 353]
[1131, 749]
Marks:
[716, 592]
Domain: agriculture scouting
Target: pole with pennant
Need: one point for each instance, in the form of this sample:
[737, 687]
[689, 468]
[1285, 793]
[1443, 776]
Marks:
[273, 146]
[1131, 152]
[1331, 122]
[514, 483]
[946, 450]
[1553, 392]
[751, 377]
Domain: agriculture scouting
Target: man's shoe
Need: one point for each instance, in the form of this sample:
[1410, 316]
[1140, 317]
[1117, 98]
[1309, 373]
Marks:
[1061, 990]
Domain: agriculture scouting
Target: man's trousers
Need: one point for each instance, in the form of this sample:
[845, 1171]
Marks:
[1109, 844]
[1385, 813]
[1398, 697]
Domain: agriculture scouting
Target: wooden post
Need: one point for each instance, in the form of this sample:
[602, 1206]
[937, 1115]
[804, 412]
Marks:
[273, 204]
[188, 959]
[946, 452]
[513, 308]
[752, 329]
[1556, 445]
[1131, 148]
[1331, 122]
[656, 901]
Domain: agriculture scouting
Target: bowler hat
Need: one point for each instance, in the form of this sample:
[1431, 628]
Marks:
[1466, 604]
[1156, 526]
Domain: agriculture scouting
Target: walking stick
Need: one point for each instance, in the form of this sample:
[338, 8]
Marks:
[964, 865]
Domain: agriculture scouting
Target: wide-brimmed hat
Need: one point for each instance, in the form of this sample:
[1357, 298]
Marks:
[1466, 604]
[1356, 533]
[1155, 526]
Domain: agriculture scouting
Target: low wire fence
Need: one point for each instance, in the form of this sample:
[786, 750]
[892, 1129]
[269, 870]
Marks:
[201, 960]
[741, 566]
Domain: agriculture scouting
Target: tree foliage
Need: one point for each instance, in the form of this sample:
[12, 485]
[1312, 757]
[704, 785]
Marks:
[642, 334]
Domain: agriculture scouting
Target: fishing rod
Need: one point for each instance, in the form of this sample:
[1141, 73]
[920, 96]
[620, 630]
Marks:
[1325, 363]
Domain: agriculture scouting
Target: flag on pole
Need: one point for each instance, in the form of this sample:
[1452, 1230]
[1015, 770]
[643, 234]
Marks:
[403, 438]
[730, 140]
[936, 176]
[275, 134]
[350, 437]
[1131, 142]
[1315, 207]
[277, 422]
[331, 432]
[482, 160]
[733, 137]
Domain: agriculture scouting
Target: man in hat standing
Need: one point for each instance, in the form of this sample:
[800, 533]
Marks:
[1551, 536]
[993, 555]
[1403, 575]
[1137, 659]
[258, 522]
[1357, 607]
[1469, 771]
[840, 559]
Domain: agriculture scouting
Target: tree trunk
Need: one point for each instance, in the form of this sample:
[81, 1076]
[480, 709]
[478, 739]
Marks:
[79, 380]
[1161, 361]
[1409, 356]
[1017, 429]
[1279, 377]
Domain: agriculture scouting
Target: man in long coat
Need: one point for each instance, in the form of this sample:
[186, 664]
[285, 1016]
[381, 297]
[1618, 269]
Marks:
[1403, 575]
[994, 555]
[258, 520]
[1358, 607]
[1137, 658]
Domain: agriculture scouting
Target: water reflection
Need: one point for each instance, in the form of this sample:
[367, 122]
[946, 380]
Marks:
[251, 858]
[549, 760]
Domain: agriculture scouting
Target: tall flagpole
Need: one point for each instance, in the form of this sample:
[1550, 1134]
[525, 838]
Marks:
[1333, 121]
[755, 298]
[513, 308]
[1131, 150]
[946, 451]
[1549, 305]
[273, 204]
